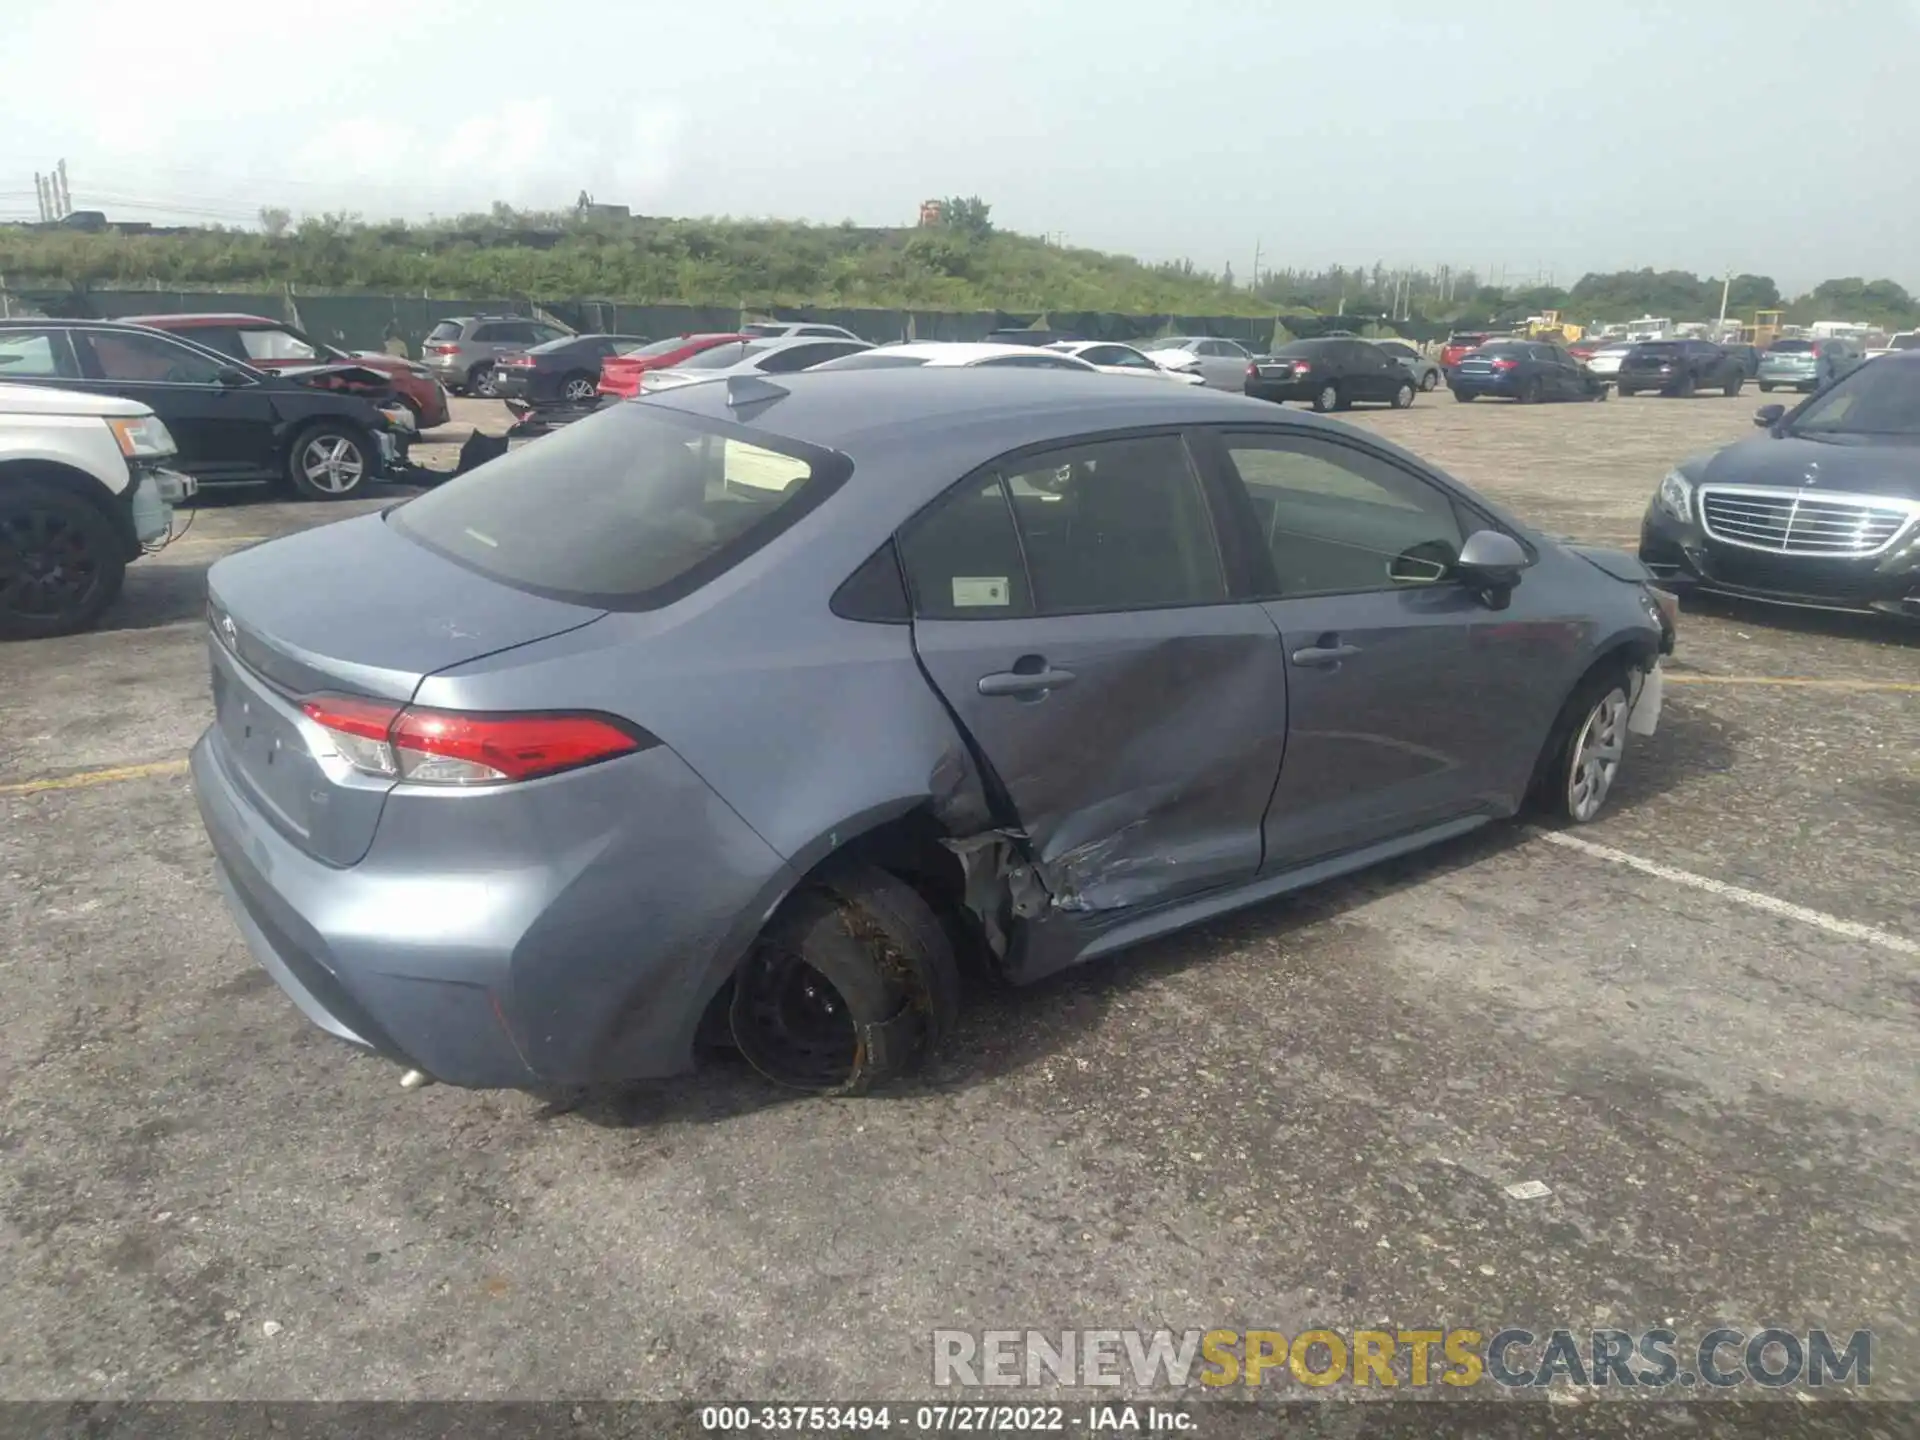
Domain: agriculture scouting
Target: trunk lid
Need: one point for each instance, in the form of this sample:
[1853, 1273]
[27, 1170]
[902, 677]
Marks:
[351, 608]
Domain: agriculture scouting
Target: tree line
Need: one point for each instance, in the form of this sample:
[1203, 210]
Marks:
[963, 263]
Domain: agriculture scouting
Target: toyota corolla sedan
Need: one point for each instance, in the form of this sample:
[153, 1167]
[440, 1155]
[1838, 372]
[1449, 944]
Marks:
[726, 715]
[1822, 509]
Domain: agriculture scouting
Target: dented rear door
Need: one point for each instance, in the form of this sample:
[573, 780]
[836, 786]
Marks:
[1136, 746]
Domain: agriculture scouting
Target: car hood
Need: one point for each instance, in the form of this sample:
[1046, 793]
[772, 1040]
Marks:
[1862, 468]
[50, 400]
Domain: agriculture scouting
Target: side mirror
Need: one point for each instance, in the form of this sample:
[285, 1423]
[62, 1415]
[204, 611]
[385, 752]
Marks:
[1768, 416]
[1491, 562]
[232, 379]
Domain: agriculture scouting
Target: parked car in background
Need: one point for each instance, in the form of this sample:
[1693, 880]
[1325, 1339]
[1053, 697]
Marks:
[1679, 367]
[86, 488]
[1604, 363]
[949, 354]
[1904, 340]
[273, 345]
[794, 329]
[1587, 346]
[1330, 374]
[750, 357]
[1116, 359]
[1823, 509]
[1524, 370]
[1806, 365]
[462, 352]
[326, 430]
[560, 373]
[1221, 363]
[1021, 697]
[1458, 344]
[1426, 373]
[620, 375]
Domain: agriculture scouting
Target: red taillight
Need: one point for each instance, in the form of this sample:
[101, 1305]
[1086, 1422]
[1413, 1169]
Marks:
[519, 362]
[449, 747]
[441, 349]
[1301, 367]
[1503, 364]
[1253, 371]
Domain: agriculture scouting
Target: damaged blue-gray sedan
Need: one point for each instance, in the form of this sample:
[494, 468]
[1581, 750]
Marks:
[732, 715]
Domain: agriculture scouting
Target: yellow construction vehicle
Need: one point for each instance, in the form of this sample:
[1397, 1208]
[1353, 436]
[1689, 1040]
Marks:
[1548, 326]
[1765, 328]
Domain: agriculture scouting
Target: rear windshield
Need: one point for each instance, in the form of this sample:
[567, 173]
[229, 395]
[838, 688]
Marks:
[1504, 347]
[547, 347]
[763, 328]
[445, 330]
[631, 508]
[1465, 338]
[1904, 342]
[872, 360]
[1790, 347]
[1656, 347]
[720, 356]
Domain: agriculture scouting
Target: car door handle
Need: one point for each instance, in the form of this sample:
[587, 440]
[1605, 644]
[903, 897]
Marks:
[1324, 654]
[1022, 682]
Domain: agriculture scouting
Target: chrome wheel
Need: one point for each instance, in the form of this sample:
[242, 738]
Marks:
[1328, 398]
[1596, 755]
[483, 383]
[579, 389]
[333, 464]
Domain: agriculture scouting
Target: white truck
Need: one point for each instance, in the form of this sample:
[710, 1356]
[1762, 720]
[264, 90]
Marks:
[85, 489]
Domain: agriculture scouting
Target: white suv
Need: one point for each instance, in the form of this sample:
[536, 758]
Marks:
[84, 490]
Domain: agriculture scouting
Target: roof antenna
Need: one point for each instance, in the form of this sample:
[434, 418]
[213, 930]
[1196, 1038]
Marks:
[751, 390]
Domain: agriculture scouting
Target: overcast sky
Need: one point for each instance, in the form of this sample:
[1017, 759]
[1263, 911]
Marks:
[1550, 137]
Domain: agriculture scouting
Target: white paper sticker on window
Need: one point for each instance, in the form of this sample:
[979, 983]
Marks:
[980, 590]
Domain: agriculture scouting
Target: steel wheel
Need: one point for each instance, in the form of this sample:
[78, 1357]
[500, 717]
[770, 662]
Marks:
[332, 464]
[579, 389]
[792, 1023]
[1597, 748]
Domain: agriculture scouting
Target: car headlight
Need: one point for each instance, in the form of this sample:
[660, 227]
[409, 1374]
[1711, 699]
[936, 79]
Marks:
[1676, 496]
[142, 437]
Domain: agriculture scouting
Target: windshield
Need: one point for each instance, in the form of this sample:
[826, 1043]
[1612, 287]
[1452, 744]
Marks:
[276, 345]
[632, 507]
[1882, 398]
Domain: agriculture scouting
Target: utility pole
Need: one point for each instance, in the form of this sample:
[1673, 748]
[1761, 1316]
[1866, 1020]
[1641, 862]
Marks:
[1256, 263]
[1726, 288]
[65, 196]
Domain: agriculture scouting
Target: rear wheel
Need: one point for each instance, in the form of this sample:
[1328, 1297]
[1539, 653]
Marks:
[1585, 751]
[578, 388]
[61, 563]
[331, 460]
[481, 381]
[1464, 396]
[1530, 392]
[1626, 390]
[1684, 390]
[1766, 387]
[1734, 382]
[1403, 397]
[1328, 398]
[851, 984]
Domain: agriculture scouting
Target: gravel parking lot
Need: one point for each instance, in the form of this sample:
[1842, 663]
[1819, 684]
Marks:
[1697, 1022]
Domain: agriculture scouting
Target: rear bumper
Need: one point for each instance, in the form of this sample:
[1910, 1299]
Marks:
[559, 940]
[1281, 390]
[1508, 385]
[1683, 557]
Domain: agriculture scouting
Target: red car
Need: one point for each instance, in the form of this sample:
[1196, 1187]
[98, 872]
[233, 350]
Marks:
[1459, 344]
[1583, 348]
[273, 345]
[620, 374]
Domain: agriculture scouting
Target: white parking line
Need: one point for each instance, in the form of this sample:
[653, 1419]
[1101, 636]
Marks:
[1833, 924]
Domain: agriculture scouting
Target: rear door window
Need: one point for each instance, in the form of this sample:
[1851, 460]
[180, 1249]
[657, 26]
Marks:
[630, 509]
[38, 355]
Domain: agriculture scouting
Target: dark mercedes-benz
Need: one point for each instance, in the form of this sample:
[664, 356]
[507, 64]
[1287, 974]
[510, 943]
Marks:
[1823, 509]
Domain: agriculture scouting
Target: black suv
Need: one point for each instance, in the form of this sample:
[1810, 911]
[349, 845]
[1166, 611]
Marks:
[325, 430]
[1680, 367]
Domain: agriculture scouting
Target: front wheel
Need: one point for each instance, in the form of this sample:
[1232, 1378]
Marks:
[1403, 397]
[851, 984]
[1626, 390]
[1430, 380]
[61, 563]
[1327, 398]
[1766, 387]
[1585, 751]
[330, 461]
